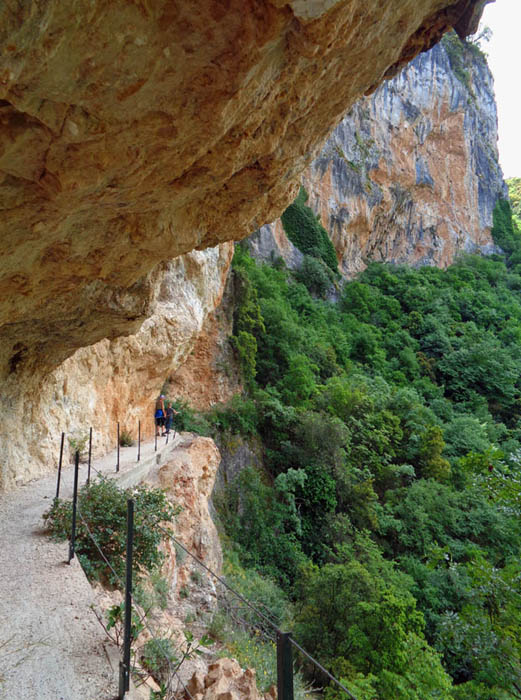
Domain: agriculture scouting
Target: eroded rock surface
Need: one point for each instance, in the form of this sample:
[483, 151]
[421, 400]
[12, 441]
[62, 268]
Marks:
[133, 132]
[226, 680]
[112, 380]
[188, 479]
[411, 174]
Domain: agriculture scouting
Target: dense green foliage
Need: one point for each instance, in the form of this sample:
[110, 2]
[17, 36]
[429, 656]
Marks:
[102, 510]
[388, 508]
[514, 192]
[306, 232]
[462, 54]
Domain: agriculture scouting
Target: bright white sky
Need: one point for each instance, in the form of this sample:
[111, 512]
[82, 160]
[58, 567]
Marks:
[504, 18]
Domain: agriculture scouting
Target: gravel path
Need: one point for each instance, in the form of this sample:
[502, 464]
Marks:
[51, 645]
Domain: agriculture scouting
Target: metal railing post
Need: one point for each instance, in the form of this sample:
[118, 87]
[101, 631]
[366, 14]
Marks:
[60, 467]
[124, 666]
[155, 438]
[284, 666]
[138, 440]
[117, 462]
[74, 505]
[90, 455]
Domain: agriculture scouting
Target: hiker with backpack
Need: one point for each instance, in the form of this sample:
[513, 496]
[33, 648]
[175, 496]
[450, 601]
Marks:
[160, 415]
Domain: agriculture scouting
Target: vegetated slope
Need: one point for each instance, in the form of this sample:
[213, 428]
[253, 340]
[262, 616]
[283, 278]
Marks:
[514, 192]
[388, 507]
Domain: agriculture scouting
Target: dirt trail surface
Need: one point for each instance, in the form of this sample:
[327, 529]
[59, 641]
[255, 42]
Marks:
[51, 645]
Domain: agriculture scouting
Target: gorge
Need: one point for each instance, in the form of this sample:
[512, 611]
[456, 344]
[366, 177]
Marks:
[105, 175]
[350, 370]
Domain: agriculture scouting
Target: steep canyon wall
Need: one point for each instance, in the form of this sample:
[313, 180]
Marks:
[132, 133]
[411, 174]
[114, 380]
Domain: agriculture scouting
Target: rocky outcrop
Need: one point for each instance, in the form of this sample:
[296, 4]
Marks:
[188, 479]
[411, 174]
[188, 592]
[226, 680]
[135, 131]
[211, 373]
[112, 380]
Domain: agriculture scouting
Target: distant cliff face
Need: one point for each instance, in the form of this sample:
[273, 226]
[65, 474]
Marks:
[134, 131]
[411, 174]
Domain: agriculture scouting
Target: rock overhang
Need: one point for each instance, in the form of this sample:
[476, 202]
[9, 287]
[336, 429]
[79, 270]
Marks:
[133, 132]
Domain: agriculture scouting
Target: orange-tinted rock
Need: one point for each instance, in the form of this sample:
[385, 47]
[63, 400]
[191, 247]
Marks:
[411, 175]
[110, 381]
[134, 131]
[188, 480]
[225, 680]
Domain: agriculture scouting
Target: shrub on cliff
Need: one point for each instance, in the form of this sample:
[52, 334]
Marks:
[101, 525]
[306, 232]
[504, 233]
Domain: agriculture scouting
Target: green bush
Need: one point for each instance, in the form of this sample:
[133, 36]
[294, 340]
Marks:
[126, 439]
[102, 511]
[189, 420]
[503, 231]
[316, 276]
[158, 657]
[305, 231]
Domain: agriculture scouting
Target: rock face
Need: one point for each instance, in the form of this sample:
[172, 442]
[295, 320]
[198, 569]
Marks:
[210, 373]
[111, 380]
[137, 130]
[411, 174]
[188, 480]
[226, 680]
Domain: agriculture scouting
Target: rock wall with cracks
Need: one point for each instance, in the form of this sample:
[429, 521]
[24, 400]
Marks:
[411, 175]
[110, 381]
[135, 131]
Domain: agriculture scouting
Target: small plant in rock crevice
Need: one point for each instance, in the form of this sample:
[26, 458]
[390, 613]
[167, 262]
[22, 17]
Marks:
[126, 439]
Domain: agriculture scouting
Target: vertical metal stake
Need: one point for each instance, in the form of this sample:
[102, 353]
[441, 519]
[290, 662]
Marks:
[74, 505]
[124, 667]
[284, 666]
[117, 463]
[138, 440]
[60, 467]
[166, 443]
[90, 455]
[155, 433]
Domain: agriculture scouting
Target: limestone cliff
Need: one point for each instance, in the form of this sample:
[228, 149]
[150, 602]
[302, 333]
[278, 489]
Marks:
[137, 130]
[112, 380]
[132, 132]
[411, 174]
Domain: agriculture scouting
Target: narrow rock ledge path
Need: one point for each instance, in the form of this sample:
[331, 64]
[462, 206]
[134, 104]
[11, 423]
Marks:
[51, 645]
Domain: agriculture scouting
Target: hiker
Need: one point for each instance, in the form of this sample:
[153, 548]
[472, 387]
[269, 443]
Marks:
[169, 421]
[160, 415]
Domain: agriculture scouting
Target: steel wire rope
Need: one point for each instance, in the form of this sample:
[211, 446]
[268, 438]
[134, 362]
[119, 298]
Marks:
[258, 612]
[139, 614]
[319, 665]
[221, 580]
[232, 590]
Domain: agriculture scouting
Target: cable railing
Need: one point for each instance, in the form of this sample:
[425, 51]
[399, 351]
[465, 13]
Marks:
[284, 641]
[169, 436]
[260, 614]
